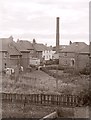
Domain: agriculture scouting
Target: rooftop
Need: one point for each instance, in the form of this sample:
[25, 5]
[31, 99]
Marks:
[75, 47]
[40, 47]
[24, 45]
[8, 45]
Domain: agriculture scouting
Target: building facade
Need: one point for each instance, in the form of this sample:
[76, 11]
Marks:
[10, 55]
[27, 51]
[74, 56]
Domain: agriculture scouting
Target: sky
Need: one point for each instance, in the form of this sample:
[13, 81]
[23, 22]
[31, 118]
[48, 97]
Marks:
[36, 19]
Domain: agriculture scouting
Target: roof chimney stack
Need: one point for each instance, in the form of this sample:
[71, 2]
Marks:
[57, 35]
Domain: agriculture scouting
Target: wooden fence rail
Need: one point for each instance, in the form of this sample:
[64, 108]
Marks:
[45, 99]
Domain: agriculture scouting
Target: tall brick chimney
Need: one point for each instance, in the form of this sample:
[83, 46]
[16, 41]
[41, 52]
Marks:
[57, 35]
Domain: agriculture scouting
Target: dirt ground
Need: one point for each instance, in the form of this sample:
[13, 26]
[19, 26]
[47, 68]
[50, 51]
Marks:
[18, 110]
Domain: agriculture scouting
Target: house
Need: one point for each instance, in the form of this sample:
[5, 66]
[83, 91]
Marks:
[27, 51]
[84, 56]
[39, 50]
[71, 55]
[56, 55]
[60, 47]
[33, 53]
[48, 53]
[42, 52]
[10, 55]
[34, 61]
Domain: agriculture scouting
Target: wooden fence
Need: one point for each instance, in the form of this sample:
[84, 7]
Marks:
[44, 99]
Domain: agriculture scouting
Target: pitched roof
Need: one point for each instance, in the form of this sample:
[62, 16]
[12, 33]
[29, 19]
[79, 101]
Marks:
[13, 50]
[39, 47]
[8, 45]
[4, 43]
[24, 45]
[85, 50]
[75, 47]
[50, 48]
[60, 47]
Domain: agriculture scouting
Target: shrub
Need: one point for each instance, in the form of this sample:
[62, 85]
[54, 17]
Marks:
[85, 97]
[85, 71]
[69, 70]
[51, 62]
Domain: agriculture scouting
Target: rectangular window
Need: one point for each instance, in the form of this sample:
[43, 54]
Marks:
[5, 55]
[66, 54]
[14, 57]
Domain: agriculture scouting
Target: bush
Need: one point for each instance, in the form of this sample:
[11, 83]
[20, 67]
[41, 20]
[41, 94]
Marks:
[85, 71]
[85, 97]
[54, 67]
[51, 62]
[47, 70]
[69, 70]
[60, 68]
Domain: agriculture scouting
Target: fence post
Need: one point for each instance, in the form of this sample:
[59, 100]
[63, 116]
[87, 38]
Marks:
[41, 98]
[57, 100]
[68, 100]
[52, 99]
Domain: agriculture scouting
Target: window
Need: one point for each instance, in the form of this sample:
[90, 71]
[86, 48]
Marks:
[5, 65]
[47, 57]
[5, 55]
[72, 62]
[66, 54]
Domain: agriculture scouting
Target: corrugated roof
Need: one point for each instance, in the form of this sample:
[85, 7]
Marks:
[75, 47]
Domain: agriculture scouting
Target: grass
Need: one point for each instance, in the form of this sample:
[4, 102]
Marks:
[41, 82]
[18, 110]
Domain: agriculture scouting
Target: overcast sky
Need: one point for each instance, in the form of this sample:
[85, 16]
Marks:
[28, 19]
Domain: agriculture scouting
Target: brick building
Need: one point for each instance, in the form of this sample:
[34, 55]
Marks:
[27, 51]
[75, 55]
[9, 54]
